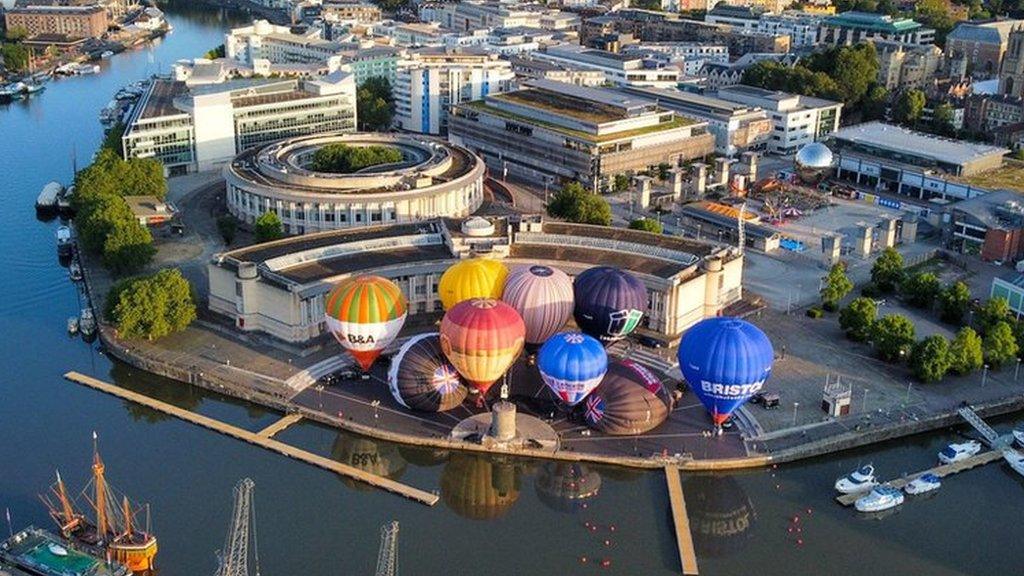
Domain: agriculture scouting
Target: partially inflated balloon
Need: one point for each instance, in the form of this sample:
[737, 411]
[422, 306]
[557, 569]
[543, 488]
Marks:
[421, 377]
[725, 361]
[630, 400]
[473, 278]
[609, 303]
[543, 297]
[482, 337]
[572, 364]
[365, 313]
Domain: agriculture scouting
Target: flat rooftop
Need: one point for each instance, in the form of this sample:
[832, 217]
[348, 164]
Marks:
[161, 98]
[597, 257]
[899, 139]
[319, 269]
[676, 243]
[690, 100]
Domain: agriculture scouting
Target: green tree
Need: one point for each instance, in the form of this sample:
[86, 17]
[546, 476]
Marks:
[268, 227]
[953, 302]
[375, 105]
[663, 170]
[227, 225]
[930, 358]
[574, 204]
[16, 34]
[893, 336]
[112, 139]
[942, 119]
[837, 286]
[887, 272]
[154, 306]
[621, 182]
[935, 14]
[994, 311]
[875, 102]
[852, 68]
[341, 158]
[214, 53]
[15, 56]
[128, 247]
[909, 107]
[965, 352]
[646, 225]
[96, 220]
[921, 289]
[999, 344]
[857, 318]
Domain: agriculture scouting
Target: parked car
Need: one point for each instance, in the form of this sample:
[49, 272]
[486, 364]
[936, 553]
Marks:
[767, 400]
[650, 342]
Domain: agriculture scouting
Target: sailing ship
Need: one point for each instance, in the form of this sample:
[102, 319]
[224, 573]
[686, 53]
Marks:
[112, 531]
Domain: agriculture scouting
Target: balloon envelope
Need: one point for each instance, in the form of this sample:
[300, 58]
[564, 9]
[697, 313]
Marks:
[482, 337]
[630, 400]
[572, 364]
[421, 377]
[472, 278]
[725, 361]
[543, 297]
[609, 303]
[365, 313]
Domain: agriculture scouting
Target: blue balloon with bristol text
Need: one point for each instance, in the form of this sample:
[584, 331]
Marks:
[725, 361]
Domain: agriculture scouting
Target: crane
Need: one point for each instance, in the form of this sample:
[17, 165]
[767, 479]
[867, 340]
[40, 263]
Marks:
[387, 558]
[234, 557]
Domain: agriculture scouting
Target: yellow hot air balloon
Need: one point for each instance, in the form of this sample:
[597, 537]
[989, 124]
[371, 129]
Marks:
[473, 278]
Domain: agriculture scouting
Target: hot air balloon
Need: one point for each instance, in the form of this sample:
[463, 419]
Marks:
[566, 486]
[421, 377]
[543, 297]
[609, 303]
[473, 278]
[365, 313]
[572, 364]
[725, 361]
[630, 400]
[482, 337]
[479, 488]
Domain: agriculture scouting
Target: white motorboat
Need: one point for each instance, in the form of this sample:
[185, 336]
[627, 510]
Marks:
[880, 498]
[860, 480]
[65, 241]
[957, 452]
[1018, 434]
[73, 325]
[75, 271]
[1016, 460]
[107, 54]
[87, 324]
[922, 484]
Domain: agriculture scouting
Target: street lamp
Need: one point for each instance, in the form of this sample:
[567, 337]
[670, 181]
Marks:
[864, 404]
[1016, 370]
[984, 376]
[375, 404]
[795, 406]
[906, 400]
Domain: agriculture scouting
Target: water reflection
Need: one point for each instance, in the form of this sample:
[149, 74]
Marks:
[378, 458]
[567, 486]
[164, 389]
[721, 514]
[478, 487]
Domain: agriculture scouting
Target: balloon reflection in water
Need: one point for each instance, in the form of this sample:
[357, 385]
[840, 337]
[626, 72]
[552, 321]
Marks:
[567, 486]
[368, 455]
[479, 488]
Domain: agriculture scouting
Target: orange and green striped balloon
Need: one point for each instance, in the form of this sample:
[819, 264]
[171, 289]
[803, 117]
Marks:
[365, 313]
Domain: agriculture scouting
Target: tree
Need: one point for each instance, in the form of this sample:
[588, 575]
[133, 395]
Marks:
[575, 204]
[887, 272]
[15, 56]
[930, 358]
[994, 311]
[909, 107]
[934, 14]
[375, 105]
[942, 119]
[837, 286]
[97, 219]
[268, 227]
[874, 105]
[16, 34]
[128, 247]
[52, 52]
[852, 68]
[646, 225]
[893, 335]
[999, 344]
[340, 158]
[663, 170]
[153, 306]
[227, 225]
[112, 139]
[965, 352]
[857, 318]
[621, 182]
[953, 302]
[921, 289]
[214, 53]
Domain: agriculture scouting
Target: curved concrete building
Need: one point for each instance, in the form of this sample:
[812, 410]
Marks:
[433, 179]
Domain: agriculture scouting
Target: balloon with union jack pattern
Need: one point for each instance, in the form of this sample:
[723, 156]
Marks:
[421, 378]
[571, 365]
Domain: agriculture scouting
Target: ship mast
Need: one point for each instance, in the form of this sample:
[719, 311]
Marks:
[100, 488]
[127, 511]
[67, 512]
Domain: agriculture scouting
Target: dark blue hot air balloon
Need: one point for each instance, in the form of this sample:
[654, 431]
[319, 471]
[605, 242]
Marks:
[725, 361]
[609, 303]
[572, 364]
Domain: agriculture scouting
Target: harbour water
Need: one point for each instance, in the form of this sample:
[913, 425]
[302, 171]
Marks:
[499, 517]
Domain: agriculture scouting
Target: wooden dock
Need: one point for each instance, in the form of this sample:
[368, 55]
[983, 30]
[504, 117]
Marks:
[941, 471]
[279, 426]
[681, 521]
[259, 439]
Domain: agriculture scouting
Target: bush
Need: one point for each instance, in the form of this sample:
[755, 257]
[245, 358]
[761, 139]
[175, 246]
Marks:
[815, 313]
[227, 225]
[646, 225]
[153, 306]
[339, 158]
[268, 227]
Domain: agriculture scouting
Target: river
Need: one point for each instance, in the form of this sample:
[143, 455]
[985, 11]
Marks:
[499, 517]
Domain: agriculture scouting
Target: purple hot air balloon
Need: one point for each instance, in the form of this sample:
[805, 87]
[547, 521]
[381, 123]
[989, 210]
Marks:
[609, 303]
[543, 297]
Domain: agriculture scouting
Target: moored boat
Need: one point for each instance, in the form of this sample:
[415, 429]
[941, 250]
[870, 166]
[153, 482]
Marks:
[959, 451]
[73, 325]
[65, 241]
[75, 271]
[860, 480]
[1016, 460]
[87, 322]
[922, 484]
[41, 553]
[47, 199]
[880, 498]
[1018, 435]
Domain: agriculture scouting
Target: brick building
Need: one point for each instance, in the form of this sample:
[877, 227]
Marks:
[69, 21]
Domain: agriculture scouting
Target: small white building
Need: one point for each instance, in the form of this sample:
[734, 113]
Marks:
[796, 120]
[619, 69]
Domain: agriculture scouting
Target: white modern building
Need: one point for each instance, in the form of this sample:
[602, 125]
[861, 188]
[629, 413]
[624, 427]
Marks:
[801, 27]
[796, 120]
[190, 128]
[430, 81]
[619, 69]
[263, 45]
[688, 57]
[467, 16]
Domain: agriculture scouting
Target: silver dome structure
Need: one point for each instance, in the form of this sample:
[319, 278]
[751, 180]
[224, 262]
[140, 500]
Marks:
[814, 162]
